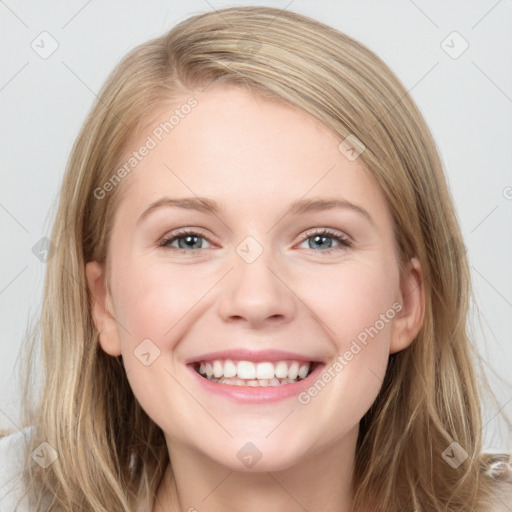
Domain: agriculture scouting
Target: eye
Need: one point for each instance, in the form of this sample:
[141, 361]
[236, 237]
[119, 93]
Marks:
[189, 241]
[323, 238]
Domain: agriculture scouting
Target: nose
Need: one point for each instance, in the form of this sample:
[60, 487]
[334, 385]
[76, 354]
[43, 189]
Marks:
[256, 294]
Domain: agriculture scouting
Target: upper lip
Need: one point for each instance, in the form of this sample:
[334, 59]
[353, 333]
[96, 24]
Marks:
[251, 355]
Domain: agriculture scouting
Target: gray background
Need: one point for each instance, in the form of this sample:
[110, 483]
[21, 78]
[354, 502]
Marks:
[466, 100]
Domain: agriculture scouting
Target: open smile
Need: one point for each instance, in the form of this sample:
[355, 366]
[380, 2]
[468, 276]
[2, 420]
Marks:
[259, 378]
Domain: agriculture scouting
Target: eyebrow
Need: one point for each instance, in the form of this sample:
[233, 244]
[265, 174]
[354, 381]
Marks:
[301, 206]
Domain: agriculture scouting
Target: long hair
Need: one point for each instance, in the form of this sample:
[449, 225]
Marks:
[110, 455]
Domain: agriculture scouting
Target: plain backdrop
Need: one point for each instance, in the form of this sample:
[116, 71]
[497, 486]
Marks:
[453, 57]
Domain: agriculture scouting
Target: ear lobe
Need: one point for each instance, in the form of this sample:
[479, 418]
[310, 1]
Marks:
[101, 309]
[409, 320]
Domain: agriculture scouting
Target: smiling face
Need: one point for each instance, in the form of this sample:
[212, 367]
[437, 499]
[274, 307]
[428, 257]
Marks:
[271, 274]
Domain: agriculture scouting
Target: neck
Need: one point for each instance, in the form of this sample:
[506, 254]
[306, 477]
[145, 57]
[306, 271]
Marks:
[320, 481]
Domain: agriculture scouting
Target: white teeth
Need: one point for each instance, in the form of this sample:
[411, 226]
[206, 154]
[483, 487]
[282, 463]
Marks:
[230, 369]
[293, 371]
[218, 369]
[265, 371]
[246, 370]
[281, 370]
[303, 371]
[247, 373]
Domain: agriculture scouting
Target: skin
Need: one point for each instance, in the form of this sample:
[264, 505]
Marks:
[254, 157]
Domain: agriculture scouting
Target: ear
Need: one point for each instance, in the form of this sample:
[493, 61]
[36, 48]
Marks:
[102, 312]
[409, 319]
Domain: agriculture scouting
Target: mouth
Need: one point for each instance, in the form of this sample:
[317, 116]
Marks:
[243, 373]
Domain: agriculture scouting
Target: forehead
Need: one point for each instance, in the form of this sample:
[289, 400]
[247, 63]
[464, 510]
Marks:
[237, 147]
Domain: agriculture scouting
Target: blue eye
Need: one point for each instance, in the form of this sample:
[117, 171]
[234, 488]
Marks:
[191, 241]
[188, 241]
[323, 239]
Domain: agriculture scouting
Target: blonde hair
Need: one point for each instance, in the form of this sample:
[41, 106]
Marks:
[111, 455]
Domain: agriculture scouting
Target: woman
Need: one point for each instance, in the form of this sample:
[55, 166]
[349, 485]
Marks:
[259, 283]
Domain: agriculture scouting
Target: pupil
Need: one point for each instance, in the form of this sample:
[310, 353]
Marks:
[189, 240]
[320, 239]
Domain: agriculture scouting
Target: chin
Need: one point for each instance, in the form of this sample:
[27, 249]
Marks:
[259, 455]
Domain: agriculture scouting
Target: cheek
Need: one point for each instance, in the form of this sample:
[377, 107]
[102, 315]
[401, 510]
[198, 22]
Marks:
[355, 305]
[155, 298]
[353, 300]
[152, 305]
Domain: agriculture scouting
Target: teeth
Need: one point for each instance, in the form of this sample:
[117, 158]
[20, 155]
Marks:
[247, 373]
[303, 371]
[246, 370]
[293, 371]
[253, 382]
[265, 371]
[281, 370]
[218, 369]
[230, 369]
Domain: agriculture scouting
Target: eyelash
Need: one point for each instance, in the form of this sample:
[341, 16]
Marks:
[343, 240]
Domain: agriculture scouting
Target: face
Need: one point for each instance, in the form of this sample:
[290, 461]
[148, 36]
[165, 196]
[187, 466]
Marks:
[294, 271]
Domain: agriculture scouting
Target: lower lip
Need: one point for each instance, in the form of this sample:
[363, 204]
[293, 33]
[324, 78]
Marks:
[258, 394]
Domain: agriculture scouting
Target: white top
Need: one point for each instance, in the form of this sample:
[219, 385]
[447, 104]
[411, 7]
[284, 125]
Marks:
[12, 466]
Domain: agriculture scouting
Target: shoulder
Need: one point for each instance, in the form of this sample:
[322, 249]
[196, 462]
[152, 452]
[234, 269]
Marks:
[13, 464]
[497, 469]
